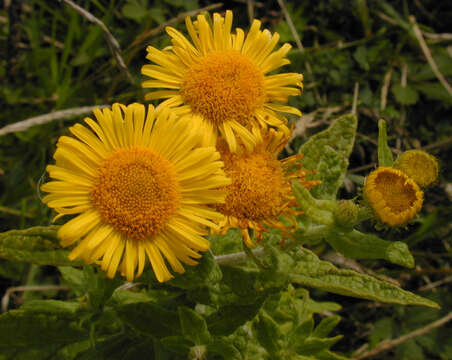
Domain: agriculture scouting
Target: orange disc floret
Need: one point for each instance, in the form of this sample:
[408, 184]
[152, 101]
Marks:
[394, 197]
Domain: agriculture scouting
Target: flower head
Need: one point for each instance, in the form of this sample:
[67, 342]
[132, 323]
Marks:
[222, 78]
[419, 166]
[140, 185]
[261, 186]
[393, 196]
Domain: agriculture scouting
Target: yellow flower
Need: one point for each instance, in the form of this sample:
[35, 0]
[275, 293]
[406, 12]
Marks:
[261, 186]
[394, 197]
[419, 166]
[222, 78]
[140, 184]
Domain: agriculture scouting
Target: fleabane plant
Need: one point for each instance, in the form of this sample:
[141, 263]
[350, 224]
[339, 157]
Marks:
[182, 229]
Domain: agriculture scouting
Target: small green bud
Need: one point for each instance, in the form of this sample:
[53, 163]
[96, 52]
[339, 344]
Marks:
[346, 214]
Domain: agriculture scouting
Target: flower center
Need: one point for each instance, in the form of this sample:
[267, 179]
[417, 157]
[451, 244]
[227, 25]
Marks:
[224, 86]
[256, 192]
[136, 192]
[398, 194]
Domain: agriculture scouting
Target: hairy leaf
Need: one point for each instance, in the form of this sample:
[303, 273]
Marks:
[149, 318]
[193, 325]
[267, 333]
[312, 272]
[19, 328]
[206, 272]
[37, 245]
[327, 153]
[357, 245]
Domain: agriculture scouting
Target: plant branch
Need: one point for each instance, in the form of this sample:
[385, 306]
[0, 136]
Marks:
[43, 119]
[428, 55]
[298, 42]
[238, 258]
[9, 291]
[435, 284]
[112, 42]
[355, 98]
[389, 344]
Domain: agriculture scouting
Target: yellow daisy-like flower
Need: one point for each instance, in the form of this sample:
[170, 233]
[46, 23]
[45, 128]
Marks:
[222, 78]
[261, 186]
[140, 184]
[394, 197]
[419, 166]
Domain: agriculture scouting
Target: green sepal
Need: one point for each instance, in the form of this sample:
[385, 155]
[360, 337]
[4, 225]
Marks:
[320, 211]
[37, 245]
[193, 325]
[356, 245]
[384, 152]
[327, 153]
[310, 271]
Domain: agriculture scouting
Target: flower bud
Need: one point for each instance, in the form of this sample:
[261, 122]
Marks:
[346, 214]
[419, 166]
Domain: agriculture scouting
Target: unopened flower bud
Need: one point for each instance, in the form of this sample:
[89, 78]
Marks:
[419, 166]
[346, 214]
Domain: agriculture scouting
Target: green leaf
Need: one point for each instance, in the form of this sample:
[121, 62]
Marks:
[38, 245]
[326, 326]
[19, 328]
[405, 95]
[150, 319]
[312, 272]
[312, 346]
[91, 281]
[134, 10]
[382, 329]
[267, 332]
[327, 153]
[228, 318]
[384, 152]
[301, 332]
[206, 272]
[51, 306]
[360, 56]
[177, 344]
[357, 245]
[193, 325]
[75, 279]
[329, 355]
[224, 347]
[115, 347]
[435, 91]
